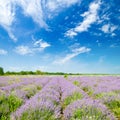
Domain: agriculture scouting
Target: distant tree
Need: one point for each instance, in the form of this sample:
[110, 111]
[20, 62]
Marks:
[23, 73]
[38, 72]
[1, 71]
[30, 72]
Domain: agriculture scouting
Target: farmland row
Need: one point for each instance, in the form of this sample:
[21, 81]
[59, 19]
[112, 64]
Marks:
[57, 98]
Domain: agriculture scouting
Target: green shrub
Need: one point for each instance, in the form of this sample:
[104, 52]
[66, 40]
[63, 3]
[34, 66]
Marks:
[8, 104]
[76, 83]
[88, 90]
[101, 95]
[66, 76]
[75, 96]
[114, 106]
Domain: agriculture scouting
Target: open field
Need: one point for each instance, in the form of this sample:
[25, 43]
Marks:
[60, 98]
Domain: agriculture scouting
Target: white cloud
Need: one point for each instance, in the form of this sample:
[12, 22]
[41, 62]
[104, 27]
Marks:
[7, 12]
[71, 33]
[37, 46]
[41, 44]
[81, 50]
[75, 52]
[38, 10]
[54, 5]
[3, 52]
[108, 28]
[23, 50]
[89, 18]
[7, 16]
[10, 33]
[33, 8]
[105, 28]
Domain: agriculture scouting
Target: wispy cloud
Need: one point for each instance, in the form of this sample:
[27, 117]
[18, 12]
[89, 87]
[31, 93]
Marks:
[38, 10]
[3, 52]
[114, 45]
[23, 50]
[33, 8]
[75, 52]
[54, 5]
[37, 46]
[7, 16]
[89, 18]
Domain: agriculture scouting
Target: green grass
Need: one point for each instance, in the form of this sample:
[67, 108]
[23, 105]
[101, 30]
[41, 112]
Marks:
[105, 94]
[37, 114]
[89, 113]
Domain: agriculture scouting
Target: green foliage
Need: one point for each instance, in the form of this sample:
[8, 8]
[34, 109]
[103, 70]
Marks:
[88, 90]
[104, 94]
[76, 83]
[38, 115]
[66, 76]
[77, 114]
[114, 106]
[1, 71]
[38, 72]
[89, 113]
[117, 91]
[75, 96]
[8, 104]
[31, 90]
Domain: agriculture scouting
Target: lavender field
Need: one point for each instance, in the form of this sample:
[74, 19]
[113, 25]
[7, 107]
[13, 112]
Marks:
[60, 98]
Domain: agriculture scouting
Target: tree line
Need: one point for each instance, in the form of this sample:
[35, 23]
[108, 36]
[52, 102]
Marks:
[37, 72]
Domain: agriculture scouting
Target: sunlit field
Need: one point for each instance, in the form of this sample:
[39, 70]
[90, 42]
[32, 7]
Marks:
[60, 98]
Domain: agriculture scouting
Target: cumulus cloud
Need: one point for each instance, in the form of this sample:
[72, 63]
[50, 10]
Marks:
[41, 44]
[108, 28]
[89, 18]
[71, 33]
[3, 52]
[75, 52]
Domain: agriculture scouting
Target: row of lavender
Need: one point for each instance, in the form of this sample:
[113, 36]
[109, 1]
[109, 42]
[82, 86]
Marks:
[106, 89]
[16, 90]
[56, 98]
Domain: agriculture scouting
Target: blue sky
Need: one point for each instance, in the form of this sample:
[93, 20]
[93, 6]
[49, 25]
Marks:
[79, 36]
